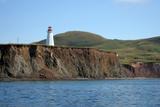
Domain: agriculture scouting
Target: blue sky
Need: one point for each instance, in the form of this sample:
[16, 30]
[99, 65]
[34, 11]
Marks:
[27, 20]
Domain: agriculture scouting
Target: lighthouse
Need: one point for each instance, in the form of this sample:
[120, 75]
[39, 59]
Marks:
[50, 40]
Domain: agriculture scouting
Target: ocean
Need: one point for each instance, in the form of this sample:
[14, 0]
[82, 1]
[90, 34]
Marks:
[81, 93]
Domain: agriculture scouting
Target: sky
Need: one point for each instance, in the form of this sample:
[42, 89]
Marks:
[26, 21]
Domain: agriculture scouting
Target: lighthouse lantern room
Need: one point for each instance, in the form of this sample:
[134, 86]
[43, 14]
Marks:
[50, 39]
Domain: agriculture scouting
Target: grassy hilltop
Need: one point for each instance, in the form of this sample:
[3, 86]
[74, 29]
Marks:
[145, 50]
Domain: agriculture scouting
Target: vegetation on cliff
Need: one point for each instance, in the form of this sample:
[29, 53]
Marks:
[144, 50]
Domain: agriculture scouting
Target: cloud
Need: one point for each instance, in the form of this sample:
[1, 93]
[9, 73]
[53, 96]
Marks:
[132, 1]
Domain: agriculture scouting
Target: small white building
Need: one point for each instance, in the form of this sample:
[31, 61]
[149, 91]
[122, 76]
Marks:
[50, 39]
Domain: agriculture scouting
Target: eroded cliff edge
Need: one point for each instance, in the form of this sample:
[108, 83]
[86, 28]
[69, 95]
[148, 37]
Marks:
[39, 62]
[44, 62]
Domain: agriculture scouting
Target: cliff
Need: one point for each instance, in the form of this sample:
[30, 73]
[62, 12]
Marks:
[45, 62]
[146, 69]
[40, 62]
[141, 69]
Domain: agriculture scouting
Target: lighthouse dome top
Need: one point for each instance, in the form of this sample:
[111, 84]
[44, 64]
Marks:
[49, 29]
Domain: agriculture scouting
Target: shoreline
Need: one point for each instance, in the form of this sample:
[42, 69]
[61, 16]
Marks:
[75, 79]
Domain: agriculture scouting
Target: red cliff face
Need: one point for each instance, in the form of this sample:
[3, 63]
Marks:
[146, 69]
[43, 62]
[140, 69]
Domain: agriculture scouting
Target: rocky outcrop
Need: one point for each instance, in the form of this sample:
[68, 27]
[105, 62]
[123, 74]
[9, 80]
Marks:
[45, 62]
[140, 69]
[146, 69]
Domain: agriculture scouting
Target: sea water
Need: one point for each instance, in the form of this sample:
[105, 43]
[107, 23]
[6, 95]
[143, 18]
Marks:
[95, 93]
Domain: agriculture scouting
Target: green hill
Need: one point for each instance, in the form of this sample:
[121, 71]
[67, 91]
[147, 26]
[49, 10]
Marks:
[145, 50]
[77, 39]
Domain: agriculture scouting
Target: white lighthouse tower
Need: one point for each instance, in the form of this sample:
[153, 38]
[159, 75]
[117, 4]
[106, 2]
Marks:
[50, 39]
